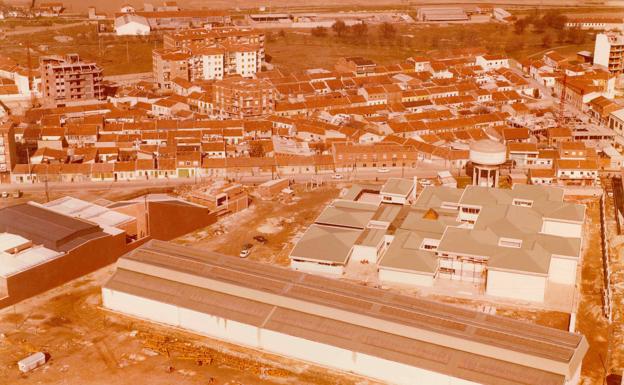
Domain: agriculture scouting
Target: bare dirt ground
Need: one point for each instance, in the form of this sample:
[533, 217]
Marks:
[615, 361]
[590, 319]
[281, 222]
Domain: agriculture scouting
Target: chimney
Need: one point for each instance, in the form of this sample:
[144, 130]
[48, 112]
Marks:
[414, 189]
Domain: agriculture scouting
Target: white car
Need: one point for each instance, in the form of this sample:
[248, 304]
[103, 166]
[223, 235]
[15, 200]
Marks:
[246, 250]
[425, 182]
[383, 170]
[336, 176]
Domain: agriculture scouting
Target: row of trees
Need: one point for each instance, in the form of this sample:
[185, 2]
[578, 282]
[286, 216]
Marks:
[551, 19]
[357, 31]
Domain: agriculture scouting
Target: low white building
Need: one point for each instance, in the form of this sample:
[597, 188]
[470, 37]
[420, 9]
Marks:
[131, 25]
[373, 333]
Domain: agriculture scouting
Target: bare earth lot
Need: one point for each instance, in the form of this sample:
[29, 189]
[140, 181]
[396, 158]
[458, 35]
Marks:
[69, 323]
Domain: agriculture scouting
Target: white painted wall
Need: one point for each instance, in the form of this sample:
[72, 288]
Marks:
[515, 285]
[602, 50]
[562, 229]
[315, 268]
[275, 342]
[404, 278]
[562, 270]
[364, 253]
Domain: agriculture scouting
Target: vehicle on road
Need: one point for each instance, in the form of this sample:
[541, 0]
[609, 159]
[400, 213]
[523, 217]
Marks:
[246, 250]
[16, 194]
[5, 194]
[383, 170]
[336, 176]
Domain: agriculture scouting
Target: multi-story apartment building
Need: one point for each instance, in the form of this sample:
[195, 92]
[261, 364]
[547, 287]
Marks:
[69, 79]
[609, 51]
[243, 98]
[168, 65]
[7, 151]
[206, 62]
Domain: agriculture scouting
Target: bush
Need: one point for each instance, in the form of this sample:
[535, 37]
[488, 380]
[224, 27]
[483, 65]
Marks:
[319, 32]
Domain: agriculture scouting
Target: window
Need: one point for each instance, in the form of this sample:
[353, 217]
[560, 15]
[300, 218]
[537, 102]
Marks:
[510, 242]
[522, 202]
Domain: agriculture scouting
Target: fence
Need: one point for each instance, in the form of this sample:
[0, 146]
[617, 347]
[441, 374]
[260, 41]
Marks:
[606, 270]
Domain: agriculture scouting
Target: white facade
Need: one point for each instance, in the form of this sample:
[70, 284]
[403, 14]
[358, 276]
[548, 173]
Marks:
[131, 25]
[562, 270]
[316, 267]
[213, 66]
[275, 342]
[246, 63]
[515, 285]
[405, 278]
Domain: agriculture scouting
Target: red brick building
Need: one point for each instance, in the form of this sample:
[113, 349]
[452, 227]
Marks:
[69, 79]
[243, 98]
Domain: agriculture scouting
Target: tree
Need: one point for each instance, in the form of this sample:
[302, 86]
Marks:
[546, 41]
[555, 19]
[281, 33]
[387, 31]
[319, 31]
[339, 28]
[520, 25]
[359, 31]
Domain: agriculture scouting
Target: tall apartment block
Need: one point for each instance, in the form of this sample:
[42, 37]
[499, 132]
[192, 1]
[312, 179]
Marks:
[609, 52]
[7, 151]
[69, 79]
[239, 97]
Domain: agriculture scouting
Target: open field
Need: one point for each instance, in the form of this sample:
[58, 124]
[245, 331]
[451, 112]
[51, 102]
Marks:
[114, 5]
[297, 50]
[115, 55]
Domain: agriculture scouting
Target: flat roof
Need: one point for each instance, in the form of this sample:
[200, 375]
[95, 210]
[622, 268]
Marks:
[435, 336]
[77, 208]
[11, 264]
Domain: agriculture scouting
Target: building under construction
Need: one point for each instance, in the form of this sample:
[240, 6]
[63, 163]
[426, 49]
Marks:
[67, 80]
[371, 332]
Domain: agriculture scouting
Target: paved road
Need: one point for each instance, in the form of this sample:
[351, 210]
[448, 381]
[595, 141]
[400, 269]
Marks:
[55, 27]
[166, 183]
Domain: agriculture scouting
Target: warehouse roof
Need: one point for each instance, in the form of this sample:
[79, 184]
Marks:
[325, 244]
[435, 336]
[347, 214]
[398, 186]
[45, 227]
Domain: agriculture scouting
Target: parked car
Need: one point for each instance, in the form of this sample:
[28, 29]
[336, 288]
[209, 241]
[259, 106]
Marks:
[260, 239]
[246, 250]
[383, 170]
[336, 176]
[5, 194]
[425, 182]
[17, 194]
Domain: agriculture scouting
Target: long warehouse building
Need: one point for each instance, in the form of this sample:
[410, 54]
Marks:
[370, 332]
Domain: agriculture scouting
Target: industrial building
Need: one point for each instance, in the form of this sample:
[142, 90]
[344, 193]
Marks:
[369, 332]
[441, 14]
[506, 243]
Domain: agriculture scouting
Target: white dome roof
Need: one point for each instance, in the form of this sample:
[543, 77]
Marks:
[488, 152]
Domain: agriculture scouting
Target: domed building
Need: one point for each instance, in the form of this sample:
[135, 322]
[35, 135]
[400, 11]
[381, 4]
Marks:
[487, 156]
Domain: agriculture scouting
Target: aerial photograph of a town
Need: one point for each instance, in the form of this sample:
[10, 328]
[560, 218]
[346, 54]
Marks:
[311, 192]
